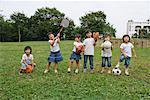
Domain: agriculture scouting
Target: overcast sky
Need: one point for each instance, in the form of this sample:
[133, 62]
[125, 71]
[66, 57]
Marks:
[118, 12]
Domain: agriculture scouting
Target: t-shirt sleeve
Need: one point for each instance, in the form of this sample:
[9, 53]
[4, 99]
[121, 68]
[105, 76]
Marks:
[32, 57]
[23, 57]
[75, 43]
[121, 46]
[84, 42]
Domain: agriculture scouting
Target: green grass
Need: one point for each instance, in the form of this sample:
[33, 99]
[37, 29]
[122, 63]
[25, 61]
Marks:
[71, 86]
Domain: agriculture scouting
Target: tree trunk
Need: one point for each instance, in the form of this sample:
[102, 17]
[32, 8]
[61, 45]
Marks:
[19, 34]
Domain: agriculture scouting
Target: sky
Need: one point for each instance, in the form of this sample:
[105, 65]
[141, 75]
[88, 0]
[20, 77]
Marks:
[117, 12]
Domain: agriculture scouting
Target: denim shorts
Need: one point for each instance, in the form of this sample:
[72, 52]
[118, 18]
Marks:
[75, 56]
[127, 60]
[23, 66]
[55, 57]
[106, 61]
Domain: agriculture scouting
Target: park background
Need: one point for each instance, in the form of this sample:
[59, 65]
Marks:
[19, 29]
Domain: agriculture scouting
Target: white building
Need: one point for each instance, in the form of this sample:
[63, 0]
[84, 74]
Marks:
[134, 27]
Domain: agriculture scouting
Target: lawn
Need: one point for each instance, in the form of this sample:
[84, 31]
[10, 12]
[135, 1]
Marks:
[71, 86]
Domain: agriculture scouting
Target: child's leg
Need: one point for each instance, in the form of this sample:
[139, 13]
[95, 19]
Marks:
[78, 66]
[122, 57]
[103, 64]
[109, 64]
[70, 65]
[127, 62]
[91, 62]
[56, 67]
[47, 67]
[85, 61]
[22, 69]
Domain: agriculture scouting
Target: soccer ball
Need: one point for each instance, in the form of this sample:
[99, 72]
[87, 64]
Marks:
[107, 44]
[116, 71]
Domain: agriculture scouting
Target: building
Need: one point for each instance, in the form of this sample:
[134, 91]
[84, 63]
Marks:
[135, 27]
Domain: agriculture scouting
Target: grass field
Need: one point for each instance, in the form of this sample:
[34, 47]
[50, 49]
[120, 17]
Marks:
[71, 86]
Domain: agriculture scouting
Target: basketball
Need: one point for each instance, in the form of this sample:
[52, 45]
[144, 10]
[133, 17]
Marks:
[96, 35]
[29, 69]
[80, 49]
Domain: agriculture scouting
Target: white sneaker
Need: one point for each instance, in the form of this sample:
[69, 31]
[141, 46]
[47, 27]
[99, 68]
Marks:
[117, 66]
[76, 71]
[46, 71]
[84, 70]
[127, 73]
[56, 71]
[69, 70]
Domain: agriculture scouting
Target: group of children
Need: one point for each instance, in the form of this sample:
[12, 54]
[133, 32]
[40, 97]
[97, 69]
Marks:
[87, 50]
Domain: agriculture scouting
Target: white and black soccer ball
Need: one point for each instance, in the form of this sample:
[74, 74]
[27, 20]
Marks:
[107, 44]
[116, 71]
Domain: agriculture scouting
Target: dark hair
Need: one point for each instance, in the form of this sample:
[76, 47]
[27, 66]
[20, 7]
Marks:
[28, 47]
[126, 36]
[77, 36]
[49, 33]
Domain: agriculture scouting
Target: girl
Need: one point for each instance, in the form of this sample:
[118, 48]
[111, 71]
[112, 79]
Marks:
[126, 52]
[89, 44]
[27, 59]
[55, 54]
[106, 53]
[75, 55]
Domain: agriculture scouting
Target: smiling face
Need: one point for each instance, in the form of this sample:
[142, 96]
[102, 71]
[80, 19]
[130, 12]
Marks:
[77, 39]
[51, 36]
[27, 51]
[107, 38]
[126, 39]
[89, 34]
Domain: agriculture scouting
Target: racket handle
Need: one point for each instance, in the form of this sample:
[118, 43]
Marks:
[61, 29]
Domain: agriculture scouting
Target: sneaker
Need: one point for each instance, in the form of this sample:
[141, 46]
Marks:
[91, 71]
[117, 66]
[76, 71]
[109, 72]
[84, 70]
[127, 73]
[102, 71]
[56, 71]
[69, 70]
[46, 71]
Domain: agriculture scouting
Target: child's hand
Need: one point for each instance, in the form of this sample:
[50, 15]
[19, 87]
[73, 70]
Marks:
[125, 55]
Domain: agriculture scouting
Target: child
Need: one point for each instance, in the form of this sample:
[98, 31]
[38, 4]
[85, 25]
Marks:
[106, 53]
[126, 52]
[27, 59]
[89, 44]
[55, 54]
[75, 55]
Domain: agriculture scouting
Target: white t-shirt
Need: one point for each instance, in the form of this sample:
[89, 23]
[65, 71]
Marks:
[55, 46]
[25, 57]
[76, 44]
[89, 46]
[127, 48]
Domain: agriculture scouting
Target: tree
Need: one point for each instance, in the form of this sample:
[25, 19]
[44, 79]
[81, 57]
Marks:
[45, 20]
[96, 21]
[20, 22]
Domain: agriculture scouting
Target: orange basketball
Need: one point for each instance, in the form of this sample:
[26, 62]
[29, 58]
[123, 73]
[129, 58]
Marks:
[96, 35]
[80, 49]
[29, 69]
